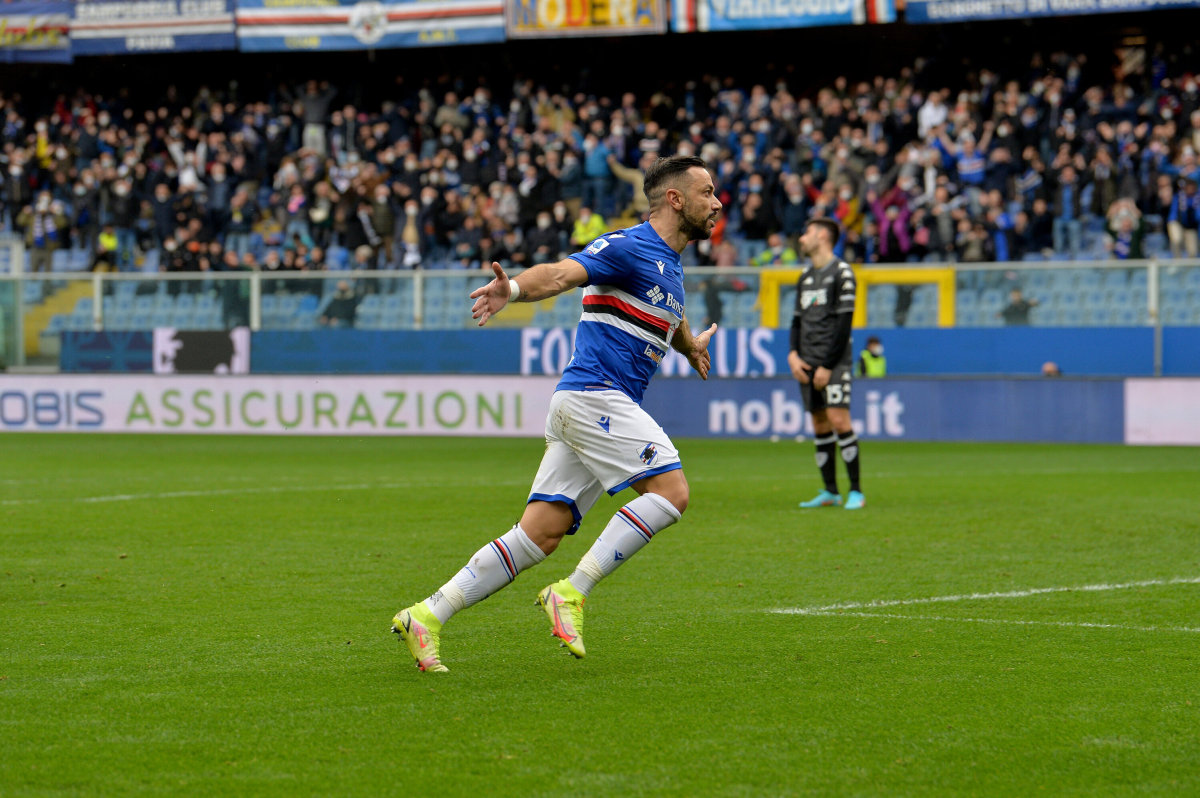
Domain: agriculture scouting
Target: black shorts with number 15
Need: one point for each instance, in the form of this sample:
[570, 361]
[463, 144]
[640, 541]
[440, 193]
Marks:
[836, 393]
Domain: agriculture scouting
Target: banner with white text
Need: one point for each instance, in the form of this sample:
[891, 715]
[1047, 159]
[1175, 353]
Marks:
[931, 11]
[691, 16]
[275, 25]
[104, 27]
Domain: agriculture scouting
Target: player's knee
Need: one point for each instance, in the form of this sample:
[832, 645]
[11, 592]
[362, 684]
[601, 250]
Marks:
[677, 494]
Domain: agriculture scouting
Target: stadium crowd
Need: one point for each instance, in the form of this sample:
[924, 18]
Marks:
[1002, 167]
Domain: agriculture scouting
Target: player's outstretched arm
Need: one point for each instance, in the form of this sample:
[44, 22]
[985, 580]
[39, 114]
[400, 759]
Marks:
[540, 282]
[694, 347]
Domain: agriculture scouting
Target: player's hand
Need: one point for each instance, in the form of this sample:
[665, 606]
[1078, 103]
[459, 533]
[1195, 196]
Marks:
[821, 378]
[799, 368]
[699, 357]
[491, 298]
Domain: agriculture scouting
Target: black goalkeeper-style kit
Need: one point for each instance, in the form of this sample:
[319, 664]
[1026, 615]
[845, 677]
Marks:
[821, 330]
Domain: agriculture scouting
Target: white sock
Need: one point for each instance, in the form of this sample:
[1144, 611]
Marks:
[492, 567]
[629, 530]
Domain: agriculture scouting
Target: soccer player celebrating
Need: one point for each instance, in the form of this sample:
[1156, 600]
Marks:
[598, 437]
[820, 358]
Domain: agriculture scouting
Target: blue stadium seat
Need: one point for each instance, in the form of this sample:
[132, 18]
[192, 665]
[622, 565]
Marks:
[1115, 279]
[1155, 244]
[991, 300]
[1176, 315]
[1125, 317]
[1088, 279]
[1043, 316]
[1071, 317]
[1068, 300]
[121, 319]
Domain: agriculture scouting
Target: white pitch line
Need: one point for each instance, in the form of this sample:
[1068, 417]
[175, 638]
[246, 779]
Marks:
[1037, 591]
[250, 490]
[178, 494]
[1081, 624]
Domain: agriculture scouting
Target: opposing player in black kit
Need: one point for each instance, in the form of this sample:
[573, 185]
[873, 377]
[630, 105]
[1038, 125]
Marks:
[821, 358]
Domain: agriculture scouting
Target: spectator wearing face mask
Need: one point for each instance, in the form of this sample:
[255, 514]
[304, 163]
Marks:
[45, 227]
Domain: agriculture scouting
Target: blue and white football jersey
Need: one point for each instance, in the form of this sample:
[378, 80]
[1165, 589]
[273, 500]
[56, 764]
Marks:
[632, 305]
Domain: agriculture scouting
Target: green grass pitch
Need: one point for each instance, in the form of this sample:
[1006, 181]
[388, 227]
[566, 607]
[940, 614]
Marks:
[209, 616]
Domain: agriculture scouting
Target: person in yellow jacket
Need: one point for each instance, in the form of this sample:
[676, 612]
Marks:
[871, 362]
[588, 227]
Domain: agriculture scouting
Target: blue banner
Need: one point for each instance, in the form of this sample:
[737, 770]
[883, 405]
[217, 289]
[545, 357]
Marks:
[103, 27]
[35, 32]
[925, 11]
[108, 351]
[709, 15]
[1052, 410]
[741, 352]
[344, 351]
[274, 25]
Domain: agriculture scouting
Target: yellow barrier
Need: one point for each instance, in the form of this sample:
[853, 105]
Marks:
[773, 280]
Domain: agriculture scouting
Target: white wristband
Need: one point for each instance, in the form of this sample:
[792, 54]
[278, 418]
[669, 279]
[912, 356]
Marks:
[514, 291]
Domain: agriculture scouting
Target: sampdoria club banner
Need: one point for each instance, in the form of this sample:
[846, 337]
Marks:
[925, 11]
[565, 18]
[273, 25]
[104, 27]
[722, 15]
[35, 32]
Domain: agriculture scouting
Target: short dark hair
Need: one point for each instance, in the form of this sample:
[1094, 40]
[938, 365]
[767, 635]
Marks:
[664, 172]
[829, 226]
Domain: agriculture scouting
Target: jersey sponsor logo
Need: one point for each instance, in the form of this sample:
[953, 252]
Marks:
[655, 295]
[660, 266]
[604, 422]
[596, 246]
[674, 304]
[813, 296]
[648, 454]
[653, 354]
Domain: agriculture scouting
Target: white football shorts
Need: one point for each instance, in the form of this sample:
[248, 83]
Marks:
[598, 441]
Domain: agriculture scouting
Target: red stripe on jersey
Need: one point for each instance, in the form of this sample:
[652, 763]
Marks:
[613, 302]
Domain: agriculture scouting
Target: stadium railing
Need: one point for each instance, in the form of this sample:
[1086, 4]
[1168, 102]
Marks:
[35, 308]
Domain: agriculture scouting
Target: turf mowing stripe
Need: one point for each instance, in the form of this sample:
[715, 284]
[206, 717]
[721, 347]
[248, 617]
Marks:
[1018, 622]
[858, 605]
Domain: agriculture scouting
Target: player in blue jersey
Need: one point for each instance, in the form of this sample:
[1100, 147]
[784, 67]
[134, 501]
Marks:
[598, 437]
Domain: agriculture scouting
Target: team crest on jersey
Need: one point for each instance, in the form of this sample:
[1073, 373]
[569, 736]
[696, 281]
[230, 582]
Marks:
[812, 296]
[648, 454]
[655, 295]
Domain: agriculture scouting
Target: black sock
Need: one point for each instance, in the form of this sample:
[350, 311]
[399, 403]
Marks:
[849, 443]
[826, 460]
